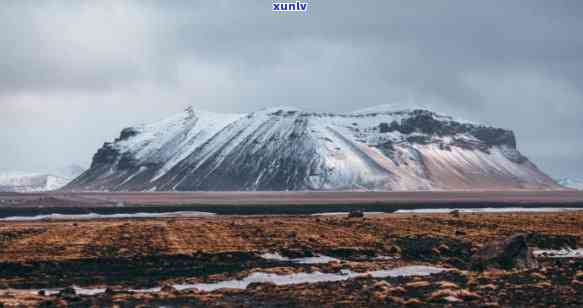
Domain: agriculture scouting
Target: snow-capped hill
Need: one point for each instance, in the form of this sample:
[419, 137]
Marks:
[30, 182]
[284, 148]
[571, 183]
[18, 181]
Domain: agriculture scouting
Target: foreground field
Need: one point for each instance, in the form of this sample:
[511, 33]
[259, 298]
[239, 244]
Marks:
[119, 261]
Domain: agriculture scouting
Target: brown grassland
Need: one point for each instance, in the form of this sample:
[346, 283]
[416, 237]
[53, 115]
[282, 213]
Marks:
[120, 254]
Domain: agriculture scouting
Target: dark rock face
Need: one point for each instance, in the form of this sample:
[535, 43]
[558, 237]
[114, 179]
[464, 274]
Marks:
[126, 133]
[419, 139]
[425, 122]
[127, 162]
[384, 128]
[105, 155]
[494, 136]
[511, 253]
[471, 145]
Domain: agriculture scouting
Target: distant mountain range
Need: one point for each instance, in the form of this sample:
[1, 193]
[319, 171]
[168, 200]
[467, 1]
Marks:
[571, 183]
[18, 181]
[284, 148]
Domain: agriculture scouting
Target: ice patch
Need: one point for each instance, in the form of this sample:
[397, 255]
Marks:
[280, 280]
[315, 277]
[308, 260]
[405, 271]
[490, 210]
[384, 258]
[78, 290]
[561, 253]
[106, 216]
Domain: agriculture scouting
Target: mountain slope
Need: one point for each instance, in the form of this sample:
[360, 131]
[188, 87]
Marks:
[286, 149]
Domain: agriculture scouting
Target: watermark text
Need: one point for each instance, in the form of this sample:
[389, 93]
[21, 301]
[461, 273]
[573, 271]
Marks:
[297, 6]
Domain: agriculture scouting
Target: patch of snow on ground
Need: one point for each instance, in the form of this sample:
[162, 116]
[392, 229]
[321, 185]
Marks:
[308, 260]
[78, 290]
[561, 253]
[281, 280]
[105, 216]
[383, 258]
[299, 278]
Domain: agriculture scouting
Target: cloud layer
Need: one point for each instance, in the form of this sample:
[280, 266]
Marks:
[74, 73]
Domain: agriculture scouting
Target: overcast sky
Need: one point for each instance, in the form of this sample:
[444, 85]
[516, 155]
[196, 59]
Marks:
[73, 73]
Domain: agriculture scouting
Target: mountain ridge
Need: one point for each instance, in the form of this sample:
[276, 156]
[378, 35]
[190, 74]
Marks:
[284, 148]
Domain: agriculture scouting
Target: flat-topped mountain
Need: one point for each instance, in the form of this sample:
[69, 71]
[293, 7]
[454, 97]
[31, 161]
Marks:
[285, 148]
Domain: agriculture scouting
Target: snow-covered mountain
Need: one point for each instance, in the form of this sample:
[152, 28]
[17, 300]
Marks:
[284, 148]
[18, 181]
[571, 183]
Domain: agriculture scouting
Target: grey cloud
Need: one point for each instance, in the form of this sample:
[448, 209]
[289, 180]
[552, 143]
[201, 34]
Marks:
[108, 64]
